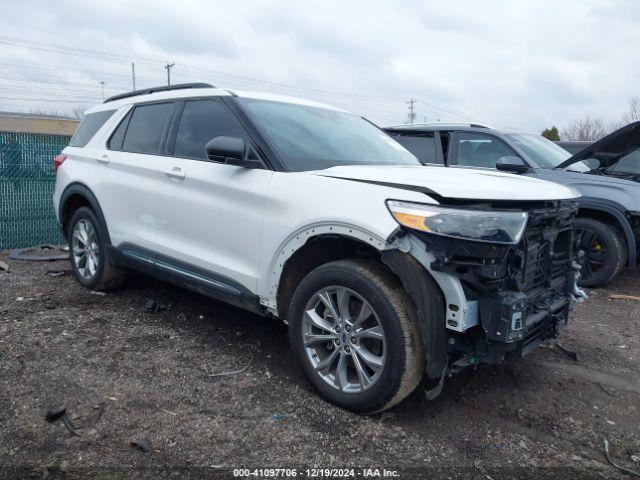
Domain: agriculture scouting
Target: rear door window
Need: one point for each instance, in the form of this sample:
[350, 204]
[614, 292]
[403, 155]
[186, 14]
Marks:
[203, 120]
[88, 127]
[422, 145]
[480, 150]
[144, 132]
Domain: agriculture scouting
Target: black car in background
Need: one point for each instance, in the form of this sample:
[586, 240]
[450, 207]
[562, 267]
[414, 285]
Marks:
[606, 173]
[573, 147]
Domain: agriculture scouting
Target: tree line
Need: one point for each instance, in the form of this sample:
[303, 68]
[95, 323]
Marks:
[590, 128]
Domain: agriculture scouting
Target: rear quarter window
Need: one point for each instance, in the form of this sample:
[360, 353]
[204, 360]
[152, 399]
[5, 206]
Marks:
[88, 127]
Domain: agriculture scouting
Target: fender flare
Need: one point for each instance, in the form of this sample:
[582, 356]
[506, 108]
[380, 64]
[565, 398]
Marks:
[617, 212]
[298, 239]
[77, 188]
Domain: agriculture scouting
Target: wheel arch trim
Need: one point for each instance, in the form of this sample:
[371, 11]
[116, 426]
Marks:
[78, 188]
[298, 239]
[612, 209]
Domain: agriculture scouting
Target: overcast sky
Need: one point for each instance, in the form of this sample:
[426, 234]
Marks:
[518, 64]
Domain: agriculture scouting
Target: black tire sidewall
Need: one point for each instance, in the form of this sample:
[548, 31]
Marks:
[87, 214]
[611, 241]
[376, 397]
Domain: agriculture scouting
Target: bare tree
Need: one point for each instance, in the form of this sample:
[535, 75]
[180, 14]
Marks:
[632, 114]
[586, 128]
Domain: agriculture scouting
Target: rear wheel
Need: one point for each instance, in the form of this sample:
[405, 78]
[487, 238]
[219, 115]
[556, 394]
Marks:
[605, 253]
[353, 334]
[88, 254]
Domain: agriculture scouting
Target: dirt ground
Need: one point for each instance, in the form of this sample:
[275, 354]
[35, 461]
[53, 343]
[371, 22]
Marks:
[172, 377]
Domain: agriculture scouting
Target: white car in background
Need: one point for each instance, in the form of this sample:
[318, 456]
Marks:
[383, 269]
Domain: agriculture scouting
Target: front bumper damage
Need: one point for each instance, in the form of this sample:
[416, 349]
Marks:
[498, 301]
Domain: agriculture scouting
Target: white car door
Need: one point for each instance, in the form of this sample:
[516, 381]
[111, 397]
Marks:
[129, 178]
[209, 214]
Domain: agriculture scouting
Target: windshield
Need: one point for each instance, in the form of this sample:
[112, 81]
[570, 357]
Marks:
[313, 138]
[544, 152]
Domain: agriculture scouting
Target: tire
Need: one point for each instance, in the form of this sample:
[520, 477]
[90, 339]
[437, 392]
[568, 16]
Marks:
[605, 251]
[401, 351]
[105, 276]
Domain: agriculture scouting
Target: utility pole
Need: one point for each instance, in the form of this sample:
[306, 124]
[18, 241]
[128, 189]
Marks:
[169, 66]
[102, 86]
[412, 110]
[133, 74]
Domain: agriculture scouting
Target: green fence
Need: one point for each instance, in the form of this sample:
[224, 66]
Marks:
[26, 187]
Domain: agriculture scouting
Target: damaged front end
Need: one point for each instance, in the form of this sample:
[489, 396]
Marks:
[500, 300]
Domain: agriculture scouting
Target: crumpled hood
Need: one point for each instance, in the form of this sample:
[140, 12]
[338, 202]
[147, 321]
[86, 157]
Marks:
[459, 183]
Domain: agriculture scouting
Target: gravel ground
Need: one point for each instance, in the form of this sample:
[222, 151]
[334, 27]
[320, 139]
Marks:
[213, 387]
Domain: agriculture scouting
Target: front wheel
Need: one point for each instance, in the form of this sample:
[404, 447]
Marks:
[355, 337]
[605, 253]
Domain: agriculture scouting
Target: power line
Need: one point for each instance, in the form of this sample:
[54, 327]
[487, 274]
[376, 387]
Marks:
[191, 70]
[435, 107]
[119, 58]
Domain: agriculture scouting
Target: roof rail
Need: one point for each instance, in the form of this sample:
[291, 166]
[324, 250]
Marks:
[166, 88]
[440, 124]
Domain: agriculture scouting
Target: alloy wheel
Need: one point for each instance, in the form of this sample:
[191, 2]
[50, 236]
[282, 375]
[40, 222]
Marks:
[85, 249]
[344, 339]
[595, 252]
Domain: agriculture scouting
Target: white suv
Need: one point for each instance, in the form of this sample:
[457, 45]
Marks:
[386, 271]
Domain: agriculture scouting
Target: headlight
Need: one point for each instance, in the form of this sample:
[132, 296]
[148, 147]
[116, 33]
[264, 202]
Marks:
[480, 225]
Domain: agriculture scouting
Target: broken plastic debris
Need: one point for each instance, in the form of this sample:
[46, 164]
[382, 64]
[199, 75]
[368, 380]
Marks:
[56, 414]
[153, 306]
[143, 444]
[569, 353]
[55, 273]
[60, 413]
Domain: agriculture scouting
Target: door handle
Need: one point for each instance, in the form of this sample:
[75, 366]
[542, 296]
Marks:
[103, 159]
[175, 172]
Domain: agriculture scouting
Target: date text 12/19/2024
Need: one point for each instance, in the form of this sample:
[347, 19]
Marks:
[315, 473]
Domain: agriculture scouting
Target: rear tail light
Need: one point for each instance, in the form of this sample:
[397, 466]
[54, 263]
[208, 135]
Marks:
[57, 161]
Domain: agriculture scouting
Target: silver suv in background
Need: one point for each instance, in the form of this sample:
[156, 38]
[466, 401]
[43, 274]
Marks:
[608, 221]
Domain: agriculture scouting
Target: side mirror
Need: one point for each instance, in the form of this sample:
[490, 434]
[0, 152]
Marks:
[512, 165]
[232, 151]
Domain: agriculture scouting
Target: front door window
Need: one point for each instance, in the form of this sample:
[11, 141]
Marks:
[480, 150]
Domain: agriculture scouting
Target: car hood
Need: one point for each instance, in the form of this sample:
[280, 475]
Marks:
[609, 149]
[601, 188]
[458, 183]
